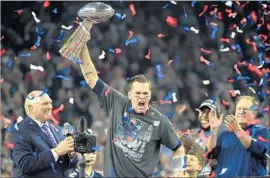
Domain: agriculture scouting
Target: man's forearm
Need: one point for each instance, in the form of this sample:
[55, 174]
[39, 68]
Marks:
[179, 152]
[88, 69]
[244, 138]
[212, 140]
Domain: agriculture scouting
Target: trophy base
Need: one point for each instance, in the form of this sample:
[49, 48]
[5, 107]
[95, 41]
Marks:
[73, 46]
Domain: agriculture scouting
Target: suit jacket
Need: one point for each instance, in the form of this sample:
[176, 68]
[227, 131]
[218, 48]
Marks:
[31, 154]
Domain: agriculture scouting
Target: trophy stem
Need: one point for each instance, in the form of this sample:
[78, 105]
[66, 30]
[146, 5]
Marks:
[73, 46]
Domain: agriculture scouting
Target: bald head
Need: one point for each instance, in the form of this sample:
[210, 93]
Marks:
[38, 105]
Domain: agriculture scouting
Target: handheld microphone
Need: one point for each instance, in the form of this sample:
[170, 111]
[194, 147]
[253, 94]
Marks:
[82, 124]
[66, 129]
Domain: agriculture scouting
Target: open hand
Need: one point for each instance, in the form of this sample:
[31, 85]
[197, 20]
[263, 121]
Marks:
[214, 121]
[231, 123]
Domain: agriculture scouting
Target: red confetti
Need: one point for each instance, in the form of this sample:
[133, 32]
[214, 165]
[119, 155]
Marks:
[118, 50]
[3, 52]
[227, 40]
[46, 4]
[48, 57]
[132, 9]
[252, 43]
[226, 103]
[165, 102]
[171, 21]
[160, 35]
[233, 26]
[10, 145]
[148, 56]
[204, 10]
[264, 37]
[220, 15]
[33, 47]
[254, 16]
[206, 51]
[182, 109]
[255, 69]
[169, 63]
[20, 12]
[233, 94]
[263, 139]
[231, 80]
[107, 91]
[202, 59]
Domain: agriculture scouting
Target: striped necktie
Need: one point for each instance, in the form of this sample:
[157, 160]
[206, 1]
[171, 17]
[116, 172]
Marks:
[45, 128]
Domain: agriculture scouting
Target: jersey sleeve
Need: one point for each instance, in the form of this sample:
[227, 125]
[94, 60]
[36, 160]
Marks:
[108, 97]
[169, 137]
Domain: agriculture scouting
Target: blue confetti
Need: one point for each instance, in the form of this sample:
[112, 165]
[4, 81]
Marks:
[156, 174]
[249, 84]
[52, 165]
[111, 50]
[260, 57]
[240, 77]
[159, 71]
[206, 22]
[251, 61]
[77, 60]
[178, 59]
[130, 109]
[131, 41]
[39, 32]
[63, 71]
[263, 80]
[62, 77]
[238, 47]
[185, 12]
[39, 137]
[168, 97]
[11, 128]
[10, 63]
[214, 100]
[37, 43]
[120, 16]
[112, 174]
[165, 6]
[97, 148]
[44, 91]
[253, 108]
[54, 10]
[20, 138]
[214, 30]
[193, 3]
[83, 84]
[25, 55]
[12, 90]
[35, 154]
[186, 28]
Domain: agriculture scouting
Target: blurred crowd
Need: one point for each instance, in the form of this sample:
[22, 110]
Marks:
[178, 53]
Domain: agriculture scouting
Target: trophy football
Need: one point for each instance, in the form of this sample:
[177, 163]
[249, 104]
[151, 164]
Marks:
[95, 12]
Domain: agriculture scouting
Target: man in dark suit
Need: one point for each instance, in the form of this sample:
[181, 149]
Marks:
[40, 149]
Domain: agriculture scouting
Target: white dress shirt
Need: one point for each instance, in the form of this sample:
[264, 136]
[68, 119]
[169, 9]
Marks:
[40, 125]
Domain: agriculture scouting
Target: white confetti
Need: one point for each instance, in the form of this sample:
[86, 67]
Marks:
[206, 82]
[252, 90]
[173, 2]
[33, 67]
[102, 56]
[223, 171]
[35, 17]
[233, 35]
[67, 28]
[228, 3]
[225, 49]
[238, 30]
[260, 66]
[237, 92]
[194, 30]
[174, 97]
[71, 100]
[19, 119]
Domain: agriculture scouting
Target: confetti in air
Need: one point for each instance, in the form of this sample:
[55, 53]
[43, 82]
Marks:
[67, 28]
[102, 55]
[35, 17]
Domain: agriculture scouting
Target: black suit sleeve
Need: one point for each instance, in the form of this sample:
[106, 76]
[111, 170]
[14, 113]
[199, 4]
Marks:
[25, 158]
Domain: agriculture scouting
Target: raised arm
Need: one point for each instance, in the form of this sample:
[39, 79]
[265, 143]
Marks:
[88, 69]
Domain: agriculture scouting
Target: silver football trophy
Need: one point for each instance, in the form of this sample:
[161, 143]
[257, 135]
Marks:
[95, 12]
